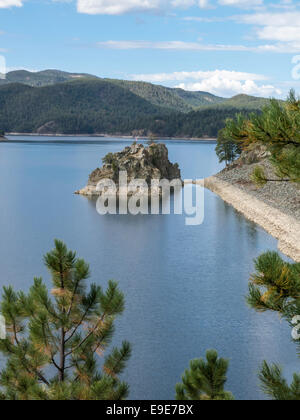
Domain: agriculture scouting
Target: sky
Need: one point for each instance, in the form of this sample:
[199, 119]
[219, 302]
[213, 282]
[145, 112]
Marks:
[225, 47]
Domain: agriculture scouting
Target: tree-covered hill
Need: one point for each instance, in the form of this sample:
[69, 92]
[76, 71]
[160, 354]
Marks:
[246, 101]
[42, 78]
[156, 95]
[198, 99]
[97, 107]
[173, 99]
[81, 106]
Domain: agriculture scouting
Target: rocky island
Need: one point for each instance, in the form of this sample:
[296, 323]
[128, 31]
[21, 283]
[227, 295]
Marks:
[140, 162]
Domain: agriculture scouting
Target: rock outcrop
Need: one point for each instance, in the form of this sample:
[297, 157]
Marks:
[254, 154]
[139, 162]
[48, 128]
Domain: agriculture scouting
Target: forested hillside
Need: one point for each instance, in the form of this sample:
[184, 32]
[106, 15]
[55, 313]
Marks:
[173, 99]
[80, 106]
[199, 99]
[41, 78]
[98, 107]
[246, 101]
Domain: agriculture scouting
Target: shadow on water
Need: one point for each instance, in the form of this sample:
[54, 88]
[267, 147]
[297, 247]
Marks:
[242, 222]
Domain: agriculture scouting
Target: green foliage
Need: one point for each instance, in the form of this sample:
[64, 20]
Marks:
[157, 95]
[275, 286]
[276, 387]
[53, 338]
[177, 100]
[278, 129]
[87, 106]
[99, 106]
[246, 101]
[259, 177]
[108, 159]
[227, 149]
[205, 380]
[199, 99]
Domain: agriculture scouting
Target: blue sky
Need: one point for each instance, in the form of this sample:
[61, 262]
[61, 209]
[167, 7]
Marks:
[225, 47]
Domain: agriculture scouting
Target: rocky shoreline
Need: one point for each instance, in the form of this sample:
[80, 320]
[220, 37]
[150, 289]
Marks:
[275, 207]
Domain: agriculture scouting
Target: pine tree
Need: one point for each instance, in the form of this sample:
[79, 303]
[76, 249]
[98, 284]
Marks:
[53, 339]
[277, 128]
[276, 287]
[227, 149]
[205, 380]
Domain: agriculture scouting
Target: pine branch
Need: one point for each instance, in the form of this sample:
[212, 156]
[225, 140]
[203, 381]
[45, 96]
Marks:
[79, 324]
[87, 336]
[54, 363]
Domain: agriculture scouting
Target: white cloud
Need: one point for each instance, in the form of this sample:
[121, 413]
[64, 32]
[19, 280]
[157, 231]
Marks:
[169, 45]
[281, 33]
[276, 19]
[280, 27]
[5, 4]
[229, 88]
[118, 7]
[219, 82]
[198, 75]
[241, 3]
[279, 47]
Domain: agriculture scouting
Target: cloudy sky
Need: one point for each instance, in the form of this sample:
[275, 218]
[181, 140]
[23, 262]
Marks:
[224, 47]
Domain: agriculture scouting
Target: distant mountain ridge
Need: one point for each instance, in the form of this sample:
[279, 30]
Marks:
[41, 78]
[171, 99]
[98, 106]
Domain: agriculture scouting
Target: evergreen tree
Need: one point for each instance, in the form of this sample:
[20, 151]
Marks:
[276, 287]
[228, 150]
[53, 339]
[205, 380]
[278, 129]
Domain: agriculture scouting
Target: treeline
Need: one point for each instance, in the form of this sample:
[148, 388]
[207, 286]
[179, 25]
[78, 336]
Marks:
[98, 106]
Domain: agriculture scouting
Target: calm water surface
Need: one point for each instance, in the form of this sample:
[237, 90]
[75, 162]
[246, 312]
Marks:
[184, 286]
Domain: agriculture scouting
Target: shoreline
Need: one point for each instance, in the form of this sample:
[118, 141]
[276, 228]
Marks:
[280, 225]
[110, 136]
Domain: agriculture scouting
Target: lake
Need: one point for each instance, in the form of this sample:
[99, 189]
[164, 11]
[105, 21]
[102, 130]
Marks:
[184, 285]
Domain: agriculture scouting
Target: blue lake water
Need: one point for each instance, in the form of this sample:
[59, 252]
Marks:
[184, 286]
